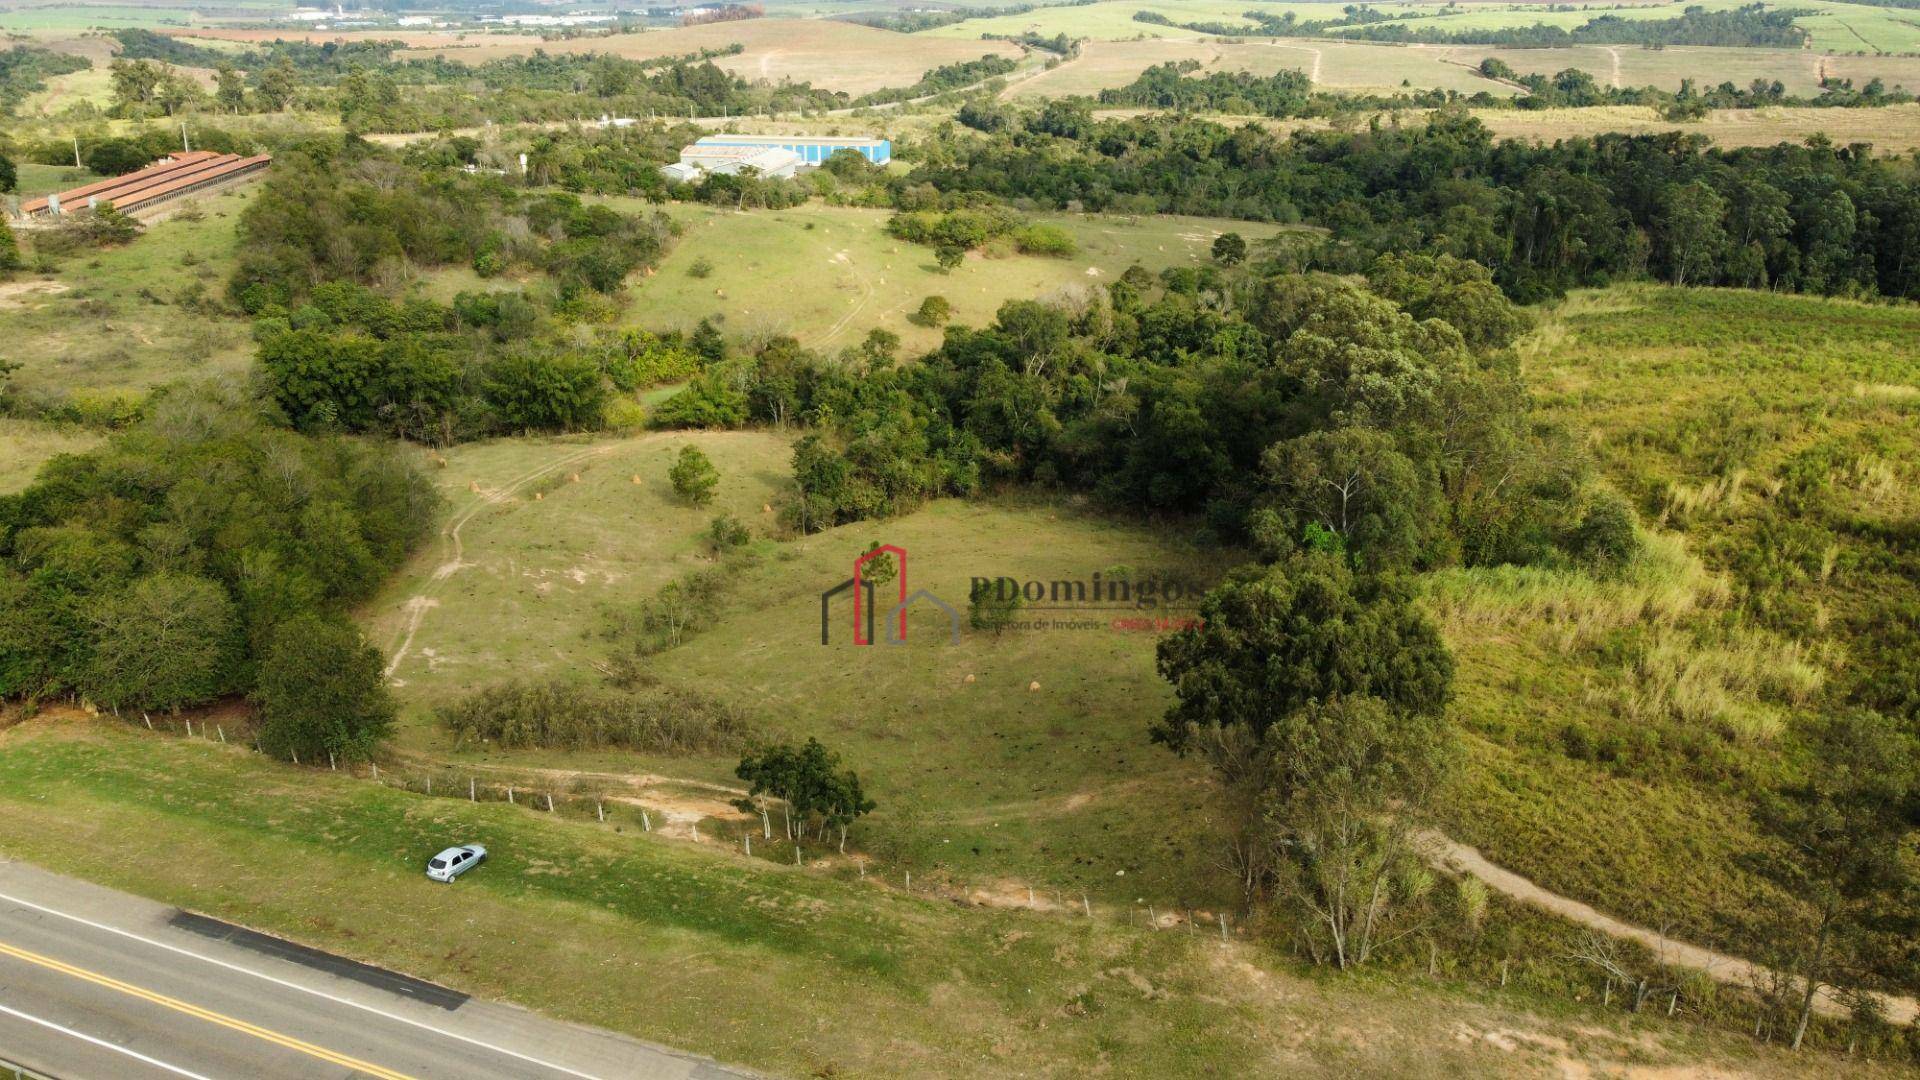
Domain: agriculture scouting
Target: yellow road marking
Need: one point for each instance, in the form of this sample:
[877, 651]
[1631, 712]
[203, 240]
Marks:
[208, 1015]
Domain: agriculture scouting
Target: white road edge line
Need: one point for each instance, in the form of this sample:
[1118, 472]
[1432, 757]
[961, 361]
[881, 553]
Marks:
[303, 989]
[103, 1044]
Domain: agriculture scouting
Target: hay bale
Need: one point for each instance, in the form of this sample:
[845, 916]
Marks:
[1033, 686]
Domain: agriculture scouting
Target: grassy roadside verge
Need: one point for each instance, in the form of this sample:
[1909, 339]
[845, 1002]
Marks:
[793, 972]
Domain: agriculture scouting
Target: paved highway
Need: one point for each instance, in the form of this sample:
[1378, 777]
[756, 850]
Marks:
[99, 984]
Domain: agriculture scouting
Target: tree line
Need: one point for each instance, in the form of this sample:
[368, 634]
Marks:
[1812, 218]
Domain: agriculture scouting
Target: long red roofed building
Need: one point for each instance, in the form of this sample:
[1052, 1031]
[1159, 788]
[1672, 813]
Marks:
[173, 176]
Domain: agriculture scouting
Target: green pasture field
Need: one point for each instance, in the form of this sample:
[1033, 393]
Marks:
[82, 16]
[800, 972]
[534, 581]
[827, 275]
[115, 323]
[1578, 693]
[37, 180]
[1074, 799]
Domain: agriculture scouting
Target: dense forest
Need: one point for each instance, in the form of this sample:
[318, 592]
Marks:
[207, 552]
[1813, 218]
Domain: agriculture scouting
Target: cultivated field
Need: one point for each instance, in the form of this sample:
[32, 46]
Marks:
[1114, 21]
[1625, 66]
[1893, 130]
[1362, 67]
[39, 16]
[1356, 67]
[824, 52]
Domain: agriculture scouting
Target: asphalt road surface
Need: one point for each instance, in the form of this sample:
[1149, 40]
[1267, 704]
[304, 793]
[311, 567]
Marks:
[99, 984]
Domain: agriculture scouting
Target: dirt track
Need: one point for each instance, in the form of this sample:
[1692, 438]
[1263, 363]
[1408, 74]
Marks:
[1453, 855]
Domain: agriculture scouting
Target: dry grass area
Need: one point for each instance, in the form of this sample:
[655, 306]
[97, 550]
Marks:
[414, 39]
[835, 55]
[1332, 65]
[25, 445]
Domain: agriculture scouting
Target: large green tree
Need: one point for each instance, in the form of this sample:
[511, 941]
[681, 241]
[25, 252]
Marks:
[322, 691]
[1271, 641]
[1844, 833]
[169, 640]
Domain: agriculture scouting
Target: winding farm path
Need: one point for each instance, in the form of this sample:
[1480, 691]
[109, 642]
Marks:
[453, 548]
[1450, 854]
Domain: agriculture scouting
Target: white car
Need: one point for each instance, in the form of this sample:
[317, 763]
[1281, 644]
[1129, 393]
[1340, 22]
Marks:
[455, 861]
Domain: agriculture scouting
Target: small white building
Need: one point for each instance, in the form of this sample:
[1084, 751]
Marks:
[680, 173]
[769, 162]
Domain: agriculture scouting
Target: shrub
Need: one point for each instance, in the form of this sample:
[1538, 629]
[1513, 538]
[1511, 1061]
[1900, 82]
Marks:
[530, 392]
[933, 311]
[556, 714]
[702, 267]
[728, 533]
[694, 476]
[991, 608]
[1048, 240]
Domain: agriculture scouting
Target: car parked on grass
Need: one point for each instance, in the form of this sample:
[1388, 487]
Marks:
[455, 861]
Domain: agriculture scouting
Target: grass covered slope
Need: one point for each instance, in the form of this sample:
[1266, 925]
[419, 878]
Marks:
[542, 541]
[1619, 725]
[111, 324]
[983, 782]
[827, 275]
[792, 971]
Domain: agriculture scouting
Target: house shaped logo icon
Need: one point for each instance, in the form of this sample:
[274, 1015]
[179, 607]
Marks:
[864, 605]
